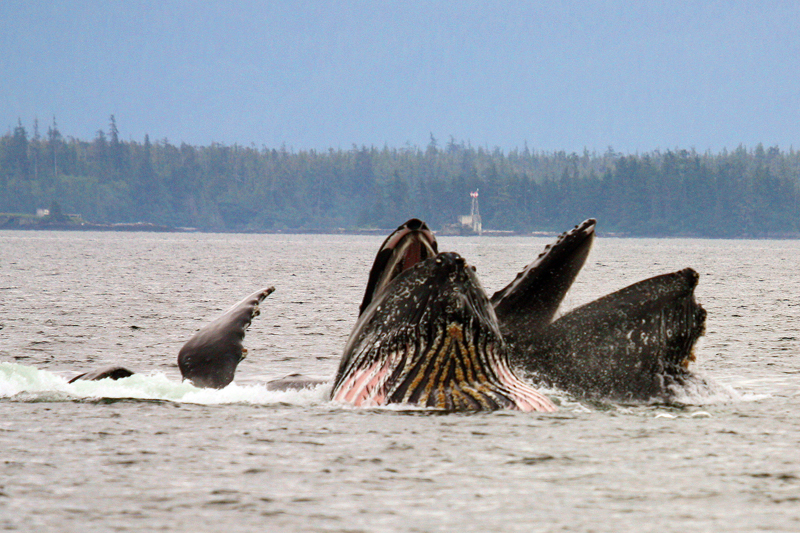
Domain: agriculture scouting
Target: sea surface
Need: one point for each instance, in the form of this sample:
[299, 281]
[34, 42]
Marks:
[149, 453]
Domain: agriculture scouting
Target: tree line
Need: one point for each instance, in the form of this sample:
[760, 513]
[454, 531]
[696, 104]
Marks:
[744, 192]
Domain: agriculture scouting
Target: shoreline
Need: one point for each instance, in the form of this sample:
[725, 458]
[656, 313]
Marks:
[156, 228]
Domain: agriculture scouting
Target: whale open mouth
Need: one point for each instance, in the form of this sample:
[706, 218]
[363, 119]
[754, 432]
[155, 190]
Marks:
[411, 243]
[431, 339]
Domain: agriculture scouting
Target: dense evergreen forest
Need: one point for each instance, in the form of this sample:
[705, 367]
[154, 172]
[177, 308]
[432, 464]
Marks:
[745, 192]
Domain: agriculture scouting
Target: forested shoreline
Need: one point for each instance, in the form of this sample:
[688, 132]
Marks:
[746, 192]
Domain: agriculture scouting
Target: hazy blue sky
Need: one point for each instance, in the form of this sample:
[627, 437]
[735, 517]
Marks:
[636, 75]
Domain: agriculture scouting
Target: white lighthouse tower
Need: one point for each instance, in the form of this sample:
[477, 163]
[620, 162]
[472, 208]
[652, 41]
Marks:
[473, 220]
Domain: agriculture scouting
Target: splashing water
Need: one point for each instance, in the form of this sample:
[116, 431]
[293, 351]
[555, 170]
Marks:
[31, 384]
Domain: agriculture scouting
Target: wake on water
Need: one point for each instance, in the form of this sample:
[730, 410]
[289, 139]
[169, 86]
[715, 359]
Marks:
[29, 384]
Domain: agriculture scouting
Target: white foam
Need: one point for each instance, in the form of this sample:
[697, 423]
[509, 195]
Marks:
[665, 415]
[28, 383]
[16, 378]
[35, 384]
[699, 389]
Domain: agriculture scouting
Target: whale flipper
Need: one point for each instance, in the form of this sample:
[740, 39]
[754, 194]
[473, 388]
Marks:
[210, 357]
[629, 345]
[529, 303]
[113, 372]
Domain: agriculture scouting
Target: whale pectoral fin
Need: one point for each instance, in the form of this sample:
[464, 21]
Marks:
[210, 357]
[628, 345]
[530, 302]
[112, 372]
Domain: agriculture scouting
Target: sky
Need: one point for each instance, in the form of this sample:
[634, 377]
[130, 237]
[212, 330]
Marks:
[633, 76]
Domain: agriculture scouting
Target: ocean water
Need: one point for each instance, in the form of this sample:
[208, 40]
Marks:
[150, 453]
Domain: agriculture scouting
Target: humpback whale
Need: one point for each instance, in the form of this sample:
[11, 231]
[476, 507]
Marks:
[430, 338]
[633, 344]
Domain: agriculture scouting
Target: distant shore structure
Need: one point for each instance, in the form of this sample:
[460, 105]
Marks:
[473, 220]
[466, 224]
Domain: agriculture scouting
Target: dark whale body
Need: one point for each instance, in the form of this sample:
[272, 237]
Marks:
[633, 344]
